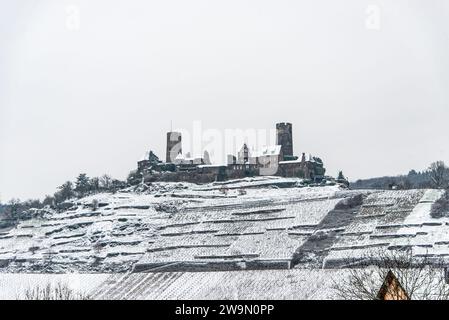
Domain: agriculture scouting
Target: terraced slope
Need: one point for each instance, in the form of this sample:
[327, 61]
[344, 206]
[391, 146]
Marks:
[171, 226]
[178, 227]
[391, 220]
[252, 235]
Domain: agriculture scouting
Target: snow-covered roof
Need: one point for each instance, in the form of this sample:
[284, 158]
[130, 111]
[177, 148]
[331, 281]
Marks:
[180, 156]
[307, 158]
[211, 165]
[290, 161]
[188, 157]
[266, 151]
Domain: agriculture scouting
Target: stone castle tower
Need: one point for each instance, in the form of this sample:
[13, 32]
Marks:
[284, 137]
[174, 146]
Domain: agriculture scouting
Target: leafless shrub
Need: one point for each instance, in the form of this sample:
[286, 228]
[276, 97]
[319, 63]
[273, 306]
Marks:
[224, 190]
[33, 249]
[59, 291]
[97, 247]
[350, 202]
[441, 207]
[242, 192]
[421, 278]
[439, 174]
[94, 205]
[169, 207]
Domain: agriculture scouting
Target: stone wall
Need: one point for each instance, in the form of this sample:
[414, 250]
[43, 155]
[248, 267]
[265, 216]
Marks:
[193, 177]
[294, 169]
[207, 174]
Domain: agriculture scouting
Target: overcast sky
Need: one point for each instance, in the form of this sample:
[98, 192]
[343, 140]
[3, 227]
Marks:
[88, 86]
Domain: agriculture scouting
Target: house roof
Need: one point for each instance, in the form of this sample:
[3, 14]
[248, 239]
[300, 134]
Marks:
[392, 289]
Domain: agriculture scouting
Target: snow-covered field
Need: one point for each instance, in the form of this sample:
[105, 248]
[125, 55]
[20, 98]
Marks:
[293, 284]
[16, 285]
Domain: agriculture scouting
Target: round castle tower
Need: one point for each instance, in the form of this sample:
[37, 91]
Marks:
[174, 146]
[284, 138]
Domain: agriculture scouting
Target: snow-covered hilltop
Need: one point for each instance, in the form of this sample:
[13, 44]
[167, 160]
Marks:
[252, 223]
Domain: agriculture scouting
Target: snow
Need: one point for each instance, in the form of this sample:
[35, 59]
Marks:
[266, 151]
[393, 220]
[292, 284]
[169, 222]
[14, 286]
[421, 212]
[184, 225]
[307, 158]
[291, 161]
[253, 230]
[211, 165]
[245, 285]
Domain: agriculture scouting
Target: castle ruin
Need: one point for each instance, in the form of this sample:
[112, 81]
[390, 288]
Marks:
[275, 160]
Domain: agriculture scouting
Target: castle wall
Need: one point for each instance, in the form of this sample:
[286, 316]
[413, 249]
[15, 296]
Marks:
[238, 171]
[209, 174]
[266, 163]
[293, 169]
[143, 164]
[192, 177]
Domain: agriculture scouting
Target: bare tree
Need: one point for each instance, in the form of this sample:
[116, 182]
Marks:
[65, 192]
[421, 278]
[94, 205]
[105, 182]
[95, 184]
[59, 291]
[14, 208]
[224, 190]
[439, 174]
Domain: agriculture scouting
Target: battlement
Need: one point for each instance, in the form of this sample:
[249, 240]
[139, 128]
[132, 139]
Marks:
[283, 125]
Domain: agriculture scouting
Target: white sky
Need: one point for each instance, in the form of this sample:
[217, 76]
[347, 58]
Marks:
[92, 99]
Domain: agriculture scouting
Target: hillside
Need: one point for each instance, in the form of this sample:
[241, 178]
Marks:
[412, 180]
[275, 223]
